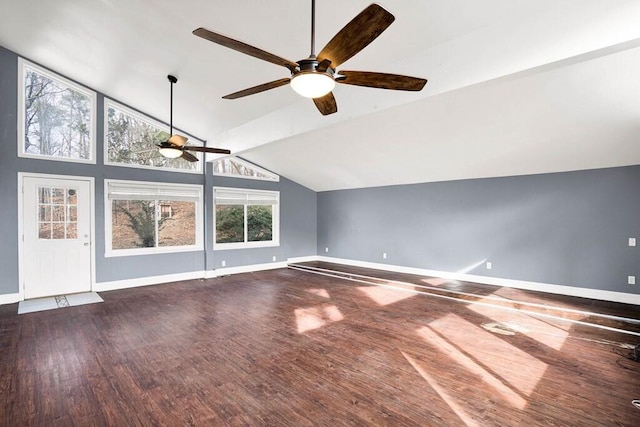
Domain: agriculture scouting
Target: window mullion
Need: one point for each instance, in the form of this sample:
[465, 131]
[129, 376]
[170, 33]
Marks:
[246, 227]
[156, 213]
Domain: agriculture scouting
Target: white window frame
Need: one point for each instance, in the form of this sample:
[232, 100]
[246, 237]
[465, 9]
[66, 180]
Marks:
[275, 231]
[153, 188]
[23, 65]
[150, 121]
[269, 176]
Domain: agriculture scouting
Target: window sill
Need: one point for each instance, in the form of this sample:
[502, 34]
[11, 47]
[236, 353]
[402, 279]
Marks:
[244, 245]
[150, 251]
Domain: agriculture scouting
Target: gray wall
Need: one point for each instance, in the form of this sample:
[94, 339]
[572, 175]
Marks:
[298, 204]
[564, 228]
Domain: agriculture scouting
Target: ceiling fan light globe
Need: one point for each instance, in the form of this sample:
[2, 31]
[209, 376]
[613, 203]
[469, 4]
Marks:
[312, 84]
[170, 152]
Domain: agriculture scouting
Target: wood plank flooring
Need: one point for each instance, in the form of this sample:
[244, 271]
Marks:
[292, 348]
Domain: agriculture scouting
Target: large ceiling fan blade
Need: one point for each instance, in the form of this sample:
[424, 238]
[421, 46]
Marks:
[381, 80]
[244, 48]
[207, 149]
[356, 35]
[326, 104]
[188, 156]
[178, 140]
[257, 89]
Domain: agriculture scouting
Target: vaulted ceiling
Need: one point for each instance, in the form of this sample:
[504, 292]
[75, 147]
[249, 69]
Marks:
[515, 87]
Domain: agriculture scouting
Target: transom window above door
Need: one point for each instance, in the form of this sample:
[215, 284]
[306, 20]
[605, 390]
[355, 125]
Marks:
[56, 116]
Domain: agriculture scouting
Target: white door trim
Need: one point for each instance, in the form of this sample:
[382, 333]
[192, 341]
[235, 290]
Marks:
[92, 217]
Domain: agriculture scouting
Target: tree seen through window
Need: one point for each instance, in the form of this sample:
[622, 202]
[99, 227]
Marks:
[57, 118]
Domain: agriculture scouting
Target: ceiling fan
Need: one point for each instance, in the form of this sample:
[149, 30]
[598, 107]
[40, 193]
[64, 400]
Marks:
[176, 146]
[316, 76]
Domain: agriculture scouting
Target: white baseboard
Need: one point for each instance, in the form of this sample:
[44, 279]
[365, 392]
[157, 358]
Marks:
[146, 281]
[598, 294]
[302, 259]
[10, 298]
[247, 268]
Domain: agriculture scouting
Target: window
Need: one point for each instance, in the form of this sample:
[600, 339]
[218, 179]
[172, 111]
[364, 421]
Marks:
[165, 210]
[238, 168]
[131, 138]
[56, 117]
[144, 217]
[245, 218]
[57, 213]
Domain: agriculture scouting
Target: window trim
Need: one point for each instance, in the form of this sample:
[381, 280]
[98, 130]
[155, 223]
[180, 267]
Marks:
[23, 64]
[270, 176]
[108, 218]
[275, 231]
[108, 102]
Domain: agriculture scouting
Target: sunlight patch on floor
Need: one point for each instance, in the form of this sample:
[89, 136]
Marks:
[509, 395]
[311, 318]
[551, 335]
[320, 292]
[437, 281]
[385, 296]
[500, 360]
[442, 392]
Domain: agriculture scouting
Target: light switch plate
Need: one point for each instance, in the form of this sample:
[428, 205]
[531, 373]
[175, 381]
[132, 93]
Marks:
[632, 241]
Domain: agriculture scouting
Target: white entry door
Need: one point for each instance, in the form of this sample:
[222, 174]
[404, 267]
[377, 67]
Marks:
[56, 257]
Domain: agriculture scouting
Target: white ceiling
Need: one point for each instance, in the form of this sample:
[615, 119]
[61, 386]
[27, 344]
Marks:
[515, 86]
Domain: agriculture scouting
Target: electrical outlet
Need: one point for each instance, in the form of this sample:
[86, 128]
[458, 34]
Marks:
[223, 263]
[632, 241]
[326, 249]
[489, 265]
[631, 280]
[384, 255]
[274, 258]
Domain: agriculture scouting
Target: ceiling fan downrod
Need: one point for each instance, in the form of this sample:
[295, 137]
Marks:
[313, 29]
[173, 80]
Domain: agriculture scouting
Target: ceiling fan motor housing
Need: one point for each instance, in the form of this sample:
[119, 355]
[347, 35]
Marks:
[312, 65]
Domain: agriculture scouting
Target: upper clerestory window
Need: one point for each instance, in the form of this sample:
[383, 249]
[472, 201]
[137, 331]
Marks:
[131, 140]
[56, 117]
[238, 168]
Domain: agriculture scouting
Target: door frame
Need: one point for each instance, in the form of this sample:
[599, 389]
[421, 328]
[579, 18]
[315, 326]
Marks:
[92, 225]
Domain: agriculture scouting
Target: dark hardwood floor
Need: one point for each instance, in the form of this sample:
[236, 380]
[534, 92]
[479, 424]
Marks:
[292, 348]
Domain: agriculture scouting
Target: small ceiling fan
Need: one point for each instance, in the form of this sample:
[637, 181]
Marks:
[176, 146]
[316, 76]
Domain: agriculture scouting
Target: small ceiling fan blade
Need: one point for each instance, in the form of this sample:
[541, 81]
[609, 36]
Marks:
[244, 48]
[178, 140]
[257, 89]
[356, 35]
[381, 80]
[326, 104]
[189, 157]
[207, 149]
